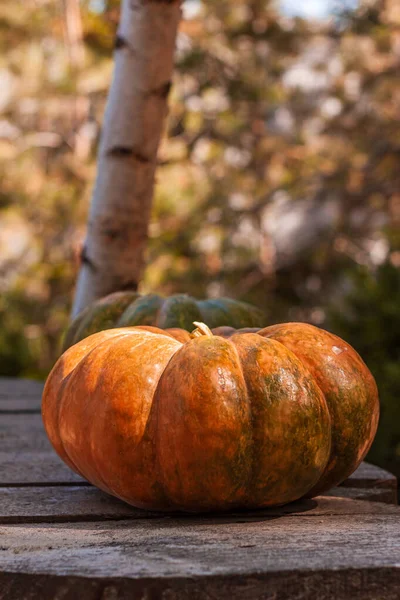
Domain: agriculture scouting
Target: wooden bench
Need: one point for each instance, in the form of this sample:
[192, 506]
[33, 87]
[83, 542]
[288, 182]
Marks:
[61, 538]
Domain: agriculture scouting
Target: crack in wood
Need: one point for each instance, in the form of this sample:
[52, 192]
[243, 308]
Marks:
[85, 518]
[44, 484]
[20, 411]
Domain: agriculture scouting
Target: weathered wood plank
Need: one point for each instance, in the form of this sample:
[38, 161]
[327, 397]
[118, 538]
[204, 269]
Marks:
[354, 584]
[370, 476]
[203, 547]
[13, 387]
[378, 494]
[72, 503]
[35, 468]
[18, 395]
[60, 504]
[26, 455]
[23, 433]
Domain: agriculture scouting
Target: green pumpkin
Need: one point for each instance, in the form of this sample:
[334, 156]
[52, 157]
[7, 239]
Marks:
[127, 309]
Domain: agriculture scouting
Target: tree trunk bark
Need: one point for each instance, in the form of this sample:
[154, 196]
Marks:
[113, 253]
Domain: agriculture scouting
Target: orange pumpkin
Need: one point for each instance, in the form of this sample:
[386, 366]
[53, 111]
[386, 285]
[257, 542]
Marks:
[169, 421]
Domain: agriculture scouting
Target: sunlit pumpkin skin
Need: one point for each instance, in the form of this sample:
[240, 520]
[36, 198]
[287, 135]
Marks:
[128, 309]
[348, 386]
[199, 425]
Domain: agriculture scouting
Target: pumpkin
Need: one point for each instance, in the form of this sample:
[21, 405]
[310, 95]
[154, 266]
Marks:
[348, 387]
[126, 309]
[170, 421]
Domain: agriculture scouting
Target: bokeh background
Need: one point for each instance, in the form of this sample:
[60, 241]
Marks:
[279, 180]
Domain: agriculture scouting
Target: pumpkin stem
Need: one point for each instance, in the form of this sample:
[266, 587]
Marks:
[202, 329]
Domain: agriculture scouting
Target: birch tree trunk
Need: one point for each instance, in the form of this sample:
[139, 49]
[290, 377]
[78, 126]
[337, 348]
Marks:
[113, 253]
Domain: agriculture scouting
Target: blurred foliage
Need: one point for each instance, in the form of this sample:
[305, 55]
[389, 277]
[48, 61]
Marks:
[369, 319]
[278, 184]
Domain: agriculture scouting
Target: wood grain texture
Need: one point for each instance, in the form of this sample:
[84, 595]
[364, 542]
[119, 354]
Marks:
[23, 433]
[38, 504]
[378, 494]
[205, 547]
[357, 584]
[24, 469]
[19, 395]
[26, 455]
[368, 475]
